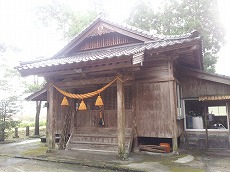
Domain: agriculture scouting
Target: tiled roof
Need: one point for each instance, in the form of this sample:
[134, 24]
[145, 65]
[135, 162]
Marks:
[133, 29]
[126, 27]
[108, 52]
[149, 34]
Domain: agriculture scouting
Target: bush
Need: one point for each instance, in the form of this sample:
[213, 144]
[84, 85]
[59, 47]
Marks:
[31, 124]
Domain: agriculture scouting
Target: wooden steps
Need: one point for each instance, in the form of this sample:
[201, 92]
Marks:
[98, 139]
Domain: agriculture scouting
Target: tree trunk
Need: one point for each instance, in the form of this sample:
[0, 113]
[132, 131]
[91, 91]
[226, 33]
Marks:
[66, 128]
[2, 134]
[38, 110]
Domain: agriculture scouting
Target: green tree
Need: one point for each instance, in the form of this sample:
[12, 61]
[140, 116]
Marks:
[142, 15]
[11, 88]
[7, 109]
[31, 88]
[178, 17]
[66, 20]
[9, 103]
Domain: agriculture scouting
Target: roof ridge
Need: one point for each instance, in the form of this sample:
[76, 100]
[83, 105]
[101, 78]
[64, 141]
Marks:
[131, 28]
[191, 34]
[124, 26]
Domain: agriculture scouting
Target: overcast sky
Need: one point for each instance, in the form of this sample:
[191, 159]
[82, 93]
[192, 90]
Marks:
[19, 27]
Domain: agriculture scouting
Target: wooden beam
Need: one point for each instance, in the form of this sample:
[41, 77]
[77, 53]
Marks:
[228, 107]
[92, 69]
[90, 81]
[172, 94]
[121, 119]
[154, 80]
[50, 126]
[79, 65]
[206, 124]
[170, 67]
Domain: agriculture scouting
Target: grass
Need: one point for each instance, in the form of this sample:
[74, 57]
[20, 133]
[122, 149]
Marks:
[36, 152]
[22, 133]
[31, 124]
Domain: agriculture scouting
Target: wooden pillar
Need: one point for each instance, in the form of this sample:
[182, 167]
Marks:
[16, 132]
[206, 124]
[173, 98]
[27, 130]
[173, 106]
[121, 119]
[228, 121]
[50, 126]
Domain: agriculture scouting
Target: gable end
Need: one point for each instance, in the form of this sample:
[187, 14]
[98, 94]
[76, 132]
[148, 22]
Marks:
[103, 41]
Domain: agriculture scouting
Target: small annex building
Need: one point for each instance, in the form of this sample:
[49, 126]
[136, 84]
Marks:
[153, 89]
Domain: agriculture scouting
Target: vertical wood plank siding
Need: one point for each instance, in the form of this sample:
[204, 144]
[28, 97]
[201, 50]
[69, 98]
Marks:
[153, 110]
[180, 127]
[60, 115]
[156, 69]
[105, 40]
[90, 118]
[148, 107]
[194, 87]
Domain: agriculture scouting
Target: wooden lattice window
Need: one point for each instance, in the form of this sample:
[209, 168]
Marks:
[128, 97]
[110, 98]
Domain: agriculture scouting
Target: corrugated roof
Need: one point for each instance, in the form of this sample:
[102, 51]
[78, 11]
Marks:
[107, 53]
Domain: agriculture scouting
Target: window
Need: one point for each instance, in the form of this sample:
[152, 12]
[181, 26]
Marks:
[109, 97]
[215, 118]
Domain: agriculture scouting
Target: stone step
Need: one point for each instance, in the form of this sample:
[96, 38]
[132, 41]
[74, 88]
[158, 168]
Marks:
[96, 147]
[98, 139]
[97, 135]
[97, 143]
[102, 139]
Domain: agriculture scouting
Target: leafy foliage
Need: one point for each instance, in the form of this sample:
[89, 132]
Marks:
[6, 121]
[178, 17]
[11, 86]
[65, 19]
[31, 88]
[142, 16]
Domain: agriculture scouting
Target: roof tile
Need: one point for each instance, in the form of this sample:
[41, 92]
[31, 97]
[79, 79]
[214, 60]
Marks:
[105, 53]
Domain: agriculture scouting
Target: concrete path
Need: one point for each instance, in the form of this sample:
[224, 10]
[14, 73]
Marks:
[8, 164]
[33, 153]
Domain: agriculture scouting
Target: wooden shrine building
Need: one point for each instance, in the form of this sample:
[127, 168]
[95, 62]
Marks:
[160, 92]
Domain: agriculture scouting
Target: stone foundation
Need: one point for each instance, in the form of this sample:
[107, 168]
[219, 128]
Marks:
[197, 140]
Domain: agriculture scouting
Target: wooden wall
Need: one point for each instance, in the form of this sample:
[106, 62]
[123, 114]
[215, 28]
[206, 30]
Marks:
[60, 112]
[150, 111]
[152, 108]
[153, 70]
[180, 127]
[194, 87]
[90, 118]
